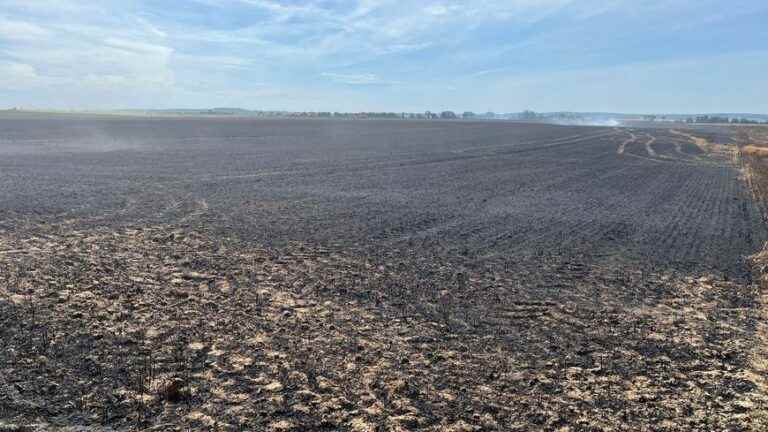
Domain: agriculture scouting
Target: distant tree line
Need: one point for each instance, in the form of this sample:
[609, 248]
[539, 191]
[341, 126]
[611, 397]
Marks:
[653, 118]
[746, 121]
[530, 115]
[427, 115]
[721, 120]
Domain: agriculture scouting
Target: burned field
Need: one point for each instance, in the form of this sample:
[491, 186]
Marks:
[377, 275]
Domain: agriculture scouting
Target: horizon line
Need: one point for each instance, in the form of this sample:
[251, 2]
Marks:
[21, 109]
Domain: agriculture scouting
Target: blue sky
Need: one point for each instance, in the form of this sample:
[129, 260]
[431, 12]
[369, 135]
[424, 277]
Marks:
[387, 55]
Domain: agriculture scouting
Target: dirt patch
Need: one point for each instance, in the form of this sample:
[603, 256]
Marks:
[623, 146]
[649, 146]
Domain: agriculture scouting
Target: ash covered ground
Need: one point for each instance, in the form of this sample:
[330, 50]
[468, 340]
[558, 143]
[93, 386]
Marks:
[242, 274]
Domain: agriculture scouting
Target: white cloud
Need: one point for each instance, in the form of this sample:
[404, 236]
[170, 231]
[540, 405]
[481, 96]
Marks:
[81, 48]
[107, 81]
[21, 31]
[356, 79]
[367, 29]
[207, 61]
[138, 47]
[49, 6]
[440, 9]
[20, 76]
[151, 28]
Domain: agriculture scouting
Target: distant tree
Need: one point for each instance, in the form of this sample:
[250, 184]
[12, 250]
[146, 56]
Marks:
[468, 115]
[529, 115]
[448, 115]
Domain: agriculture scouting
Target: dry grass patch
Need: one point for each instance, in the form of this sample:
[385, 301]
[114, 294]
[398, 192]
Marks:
[704, 144]
[754, 151]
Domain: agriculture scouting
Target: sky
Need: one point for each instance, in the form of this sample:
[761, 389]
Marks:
[632, 56]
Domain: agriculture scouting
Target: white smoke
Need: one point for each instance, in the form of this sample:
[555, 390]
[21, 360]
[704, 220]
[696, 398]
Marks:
[610, 122]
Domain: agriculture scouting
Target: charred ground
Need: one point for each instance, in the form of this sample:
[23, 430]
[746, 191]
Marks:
[478, 191]
[280, 274]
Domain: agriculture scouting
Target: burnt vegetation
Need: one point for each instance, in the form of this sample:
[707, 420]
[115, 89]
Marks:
[333, 275]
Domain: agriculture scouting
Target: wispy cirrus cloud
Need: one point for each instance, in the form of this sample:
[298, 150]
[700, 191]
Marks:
[356, 79]
[21, 30]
